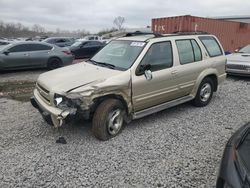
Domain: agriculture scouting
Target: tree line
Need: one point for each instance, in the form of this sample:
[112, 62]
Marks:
[16, 30]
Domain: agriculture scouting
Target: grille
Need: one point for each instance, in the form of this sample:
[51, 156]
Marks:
[240, 67]
[44, 93]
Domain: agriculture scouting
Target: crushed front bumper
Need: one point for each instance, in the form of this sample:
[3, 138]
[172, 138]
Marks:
[52, 115]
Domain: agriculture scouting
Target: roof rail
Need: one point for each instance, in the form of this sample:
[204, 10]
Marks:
[136, 33]
[190, 32]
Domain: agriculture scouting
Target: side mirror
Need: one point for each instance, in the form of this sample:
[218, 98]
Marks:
[6, 52]
[236, 51]
[146, 71]
[141, 70]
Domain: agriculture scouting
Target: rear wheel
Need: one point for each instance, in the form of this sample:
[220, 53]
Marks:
[108, 119]
[204, 93]
[54, 63]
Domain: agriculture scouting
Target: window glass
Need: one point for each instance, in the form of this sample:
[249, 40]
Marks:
[211, 45]
[21, 48]
[60, 41]
[245, 49]
[185, 50]
[39, 47]
[121, 54]
[159, 56]
[197, 51]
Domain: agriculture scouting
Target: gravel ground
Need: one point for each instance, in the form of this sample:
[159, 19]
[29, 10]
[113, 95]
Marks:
[27, 75]
[178, 147]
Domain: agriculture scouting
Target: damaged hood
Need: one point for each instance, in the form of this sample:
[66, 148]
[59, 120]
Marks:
[72, 77]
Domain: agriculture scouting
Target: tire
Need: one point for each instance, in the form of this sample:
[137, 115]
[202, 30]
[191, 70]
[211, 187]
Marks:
[54, 63]
[108, 119]
[204, 93]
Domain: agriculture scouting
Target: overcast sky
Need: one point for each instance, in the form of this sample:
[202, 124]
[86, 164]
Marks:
[94, 15]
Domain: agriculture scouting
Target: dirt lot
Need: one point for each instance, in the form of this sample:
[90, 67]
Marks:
[178, 147]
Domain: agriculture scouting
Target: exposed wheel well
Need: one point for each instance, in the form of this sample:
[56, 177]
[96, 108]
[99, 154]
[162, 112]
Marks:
[99, 100]
[215, 81]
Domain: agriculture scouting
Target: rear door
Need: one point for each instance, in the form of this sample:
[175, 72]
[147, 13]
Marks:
[39, 54]
[191, 64]
[18, 57]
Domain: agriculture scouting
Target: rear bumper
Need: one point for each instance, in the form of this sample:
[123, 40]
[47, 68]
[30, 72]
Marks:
[48, 112]
[238, 72]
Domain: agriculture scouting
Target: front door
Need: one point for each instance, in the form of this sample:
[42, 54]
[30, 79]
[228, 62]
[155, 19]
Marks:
[17, 57]
[148, 92]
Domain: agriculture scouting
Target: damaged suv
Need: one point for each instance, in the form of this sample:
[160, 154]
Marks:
[132, 77]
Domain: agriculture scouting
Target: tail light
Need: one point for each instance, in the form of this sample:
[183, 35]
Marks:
[67, 52]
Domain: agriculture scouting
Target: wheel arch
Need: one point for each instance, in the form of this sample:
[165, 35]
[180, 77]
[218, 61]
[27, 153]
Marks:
[98, 100]
[211, 73]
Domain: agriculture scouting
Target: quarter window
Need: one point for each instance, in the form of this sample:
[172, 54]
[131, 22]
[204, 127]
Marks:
[189, 51]
[211, 45]
[159, 56]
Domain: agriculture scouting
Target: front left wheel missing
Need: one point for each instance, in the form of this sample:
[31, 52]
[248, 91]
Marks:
[108, 119]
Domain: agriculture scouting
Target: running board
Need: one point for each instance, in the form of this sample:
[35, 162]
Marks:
[161, 107]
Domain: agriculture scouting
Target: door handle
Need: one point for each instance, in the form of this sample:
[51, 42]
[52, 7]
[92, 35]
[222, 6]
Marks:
[174, 72]
[26, 54]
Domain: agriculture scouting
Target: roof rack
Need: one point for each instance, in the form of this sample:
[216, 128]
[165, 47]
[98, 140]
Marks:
[136, 33]
[190, 32]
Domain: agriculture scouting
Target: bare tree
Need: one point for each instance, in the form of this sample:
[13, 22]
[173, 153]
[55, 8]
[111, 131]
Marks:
[38, 29]
[118, 22]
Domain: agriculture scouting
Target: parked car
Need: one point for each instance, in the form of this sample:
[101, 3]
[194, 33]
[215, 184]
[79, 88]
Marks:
[132, 77]
[60, 41]
[86, 49]
[4, 42]
[22, 55]
[235, 164]
[239, 63]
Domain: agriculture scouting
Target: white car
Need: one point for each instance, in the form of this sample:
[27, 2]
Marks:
[238, 63]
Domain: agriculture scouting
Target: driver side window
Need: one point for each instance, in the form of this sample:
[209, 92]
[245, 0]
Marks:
[159, 56]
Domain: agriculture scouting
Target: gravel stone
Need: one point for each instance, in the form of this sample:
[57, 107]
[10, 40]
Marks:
[178, 147]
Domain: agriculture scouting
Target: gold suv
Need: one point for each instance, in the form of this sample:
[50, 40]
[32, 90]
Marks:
[132, 77]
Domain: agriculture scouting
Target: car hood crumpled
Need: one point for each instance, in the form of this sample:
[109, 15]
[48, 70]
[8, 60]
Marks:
[239, 57]
[71, 77]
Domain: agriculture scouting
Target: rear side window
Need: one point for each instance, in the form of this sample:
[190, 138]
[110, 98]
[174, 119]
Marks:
[40, 47]
[189, 51]
[159, 56]
[211, 45]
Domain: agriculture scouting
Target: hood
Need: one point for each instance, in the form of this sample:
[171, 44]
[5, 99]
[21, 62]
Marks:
[71, 77]
[239, 57]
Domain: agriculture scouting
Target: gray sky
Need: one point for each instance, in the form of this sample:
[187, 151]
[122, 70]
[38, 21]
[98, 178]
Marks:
[94, 15]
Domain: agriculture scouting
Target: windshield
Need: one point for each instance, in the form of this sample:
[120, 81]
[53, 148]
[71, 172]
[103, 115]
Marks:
[120, 54]
[77, 44]
[245, 49]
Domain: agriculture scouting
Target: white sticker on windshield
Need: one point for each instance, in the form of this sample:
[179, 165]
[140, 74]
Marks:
[137, 44]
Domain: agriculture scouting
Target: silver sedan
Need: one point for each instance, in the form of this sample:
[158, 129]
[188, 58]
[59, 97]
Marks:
[238, 63]
[22, 55]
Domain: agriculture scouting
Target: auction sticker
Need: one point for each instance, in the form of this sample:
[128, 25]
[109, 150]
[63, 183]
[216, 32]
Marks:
[137, 44]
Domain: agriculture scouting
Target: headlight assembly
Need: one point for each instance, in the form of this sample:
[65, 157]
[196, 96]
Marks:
[65, 102]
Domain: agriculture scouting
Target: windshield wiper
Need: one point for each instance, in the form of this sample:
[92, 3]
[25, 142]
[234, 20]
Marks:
[102, 64]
